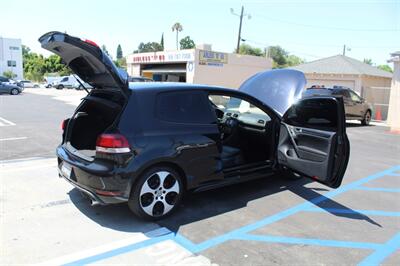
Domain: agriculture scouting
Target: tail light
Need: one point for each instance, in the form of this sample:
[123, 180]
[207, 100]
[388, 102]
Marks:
[64, 124]
[112, 143]
[91, 43]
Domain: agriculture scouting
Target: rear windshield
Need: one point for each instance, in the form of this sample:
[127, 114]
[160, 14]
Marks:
[316, 92]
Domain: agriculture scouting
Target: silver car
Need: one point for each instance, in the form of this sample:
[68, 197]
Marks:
[7, 88]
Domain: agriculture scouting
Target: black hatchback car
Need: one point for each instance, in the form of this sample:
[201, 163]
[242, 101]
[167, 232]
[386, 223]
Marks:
[148, 143]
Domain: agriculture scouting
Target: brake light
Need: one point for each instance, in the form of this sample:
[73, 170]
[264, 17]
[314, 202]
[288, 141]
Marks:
[91, 43]
[112, 143]
[63, 124]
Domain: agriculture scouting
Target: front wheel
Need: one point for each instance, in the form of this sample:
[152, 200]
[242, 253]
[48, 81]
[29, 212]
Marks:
[14, 92]
[156, 194]
[60, 87]
[366, 119]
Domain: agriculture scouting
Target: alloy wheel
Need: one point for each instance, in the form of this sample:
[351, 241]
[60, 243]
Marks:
[159, 193]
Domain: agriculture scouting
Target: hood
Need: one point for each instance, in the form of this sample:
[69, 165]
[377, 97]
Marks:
[278, 89]
[86, 59]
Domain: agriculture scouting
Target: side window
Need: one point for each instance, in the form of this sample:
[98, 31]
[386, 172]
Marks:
[355, 97]
[189, 107]
[313, 113]
[64, 79]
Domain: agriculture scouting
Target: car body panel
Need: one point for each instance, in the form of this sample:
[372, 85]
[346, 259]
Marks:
[6, 87]
[278, 88]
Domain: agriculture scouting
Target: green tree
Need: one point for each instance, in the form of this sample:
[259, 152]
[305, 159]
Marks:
[121, 63]
[293, 60]
[278, 55]
[162, 41]
[386, 68]
[119, 52]
[148, 47]
[9, 74]
[250, 50]
[178, 28]
[187, 43]
[368, 61]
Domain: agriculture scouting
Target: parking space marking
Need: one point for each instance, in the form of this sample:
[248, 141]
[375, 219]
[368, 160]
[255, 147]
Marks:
[309, 241]
[5, 123]
[355, 212]
[18, 138]
[381, 251]
[382, 189]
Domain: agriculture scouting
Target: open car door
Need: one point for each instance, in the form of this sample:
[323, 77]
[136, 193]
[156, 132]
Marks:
[313, 140]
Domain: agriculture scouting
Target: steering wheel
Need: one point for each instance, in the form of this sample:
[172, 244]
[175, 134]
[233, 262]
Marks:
[228, 127]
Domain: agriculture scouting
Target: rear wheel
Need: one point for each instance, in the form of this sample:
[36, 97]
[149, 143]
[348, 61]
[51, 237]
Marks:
[156, 194]
[60, 87]
[366, 119]
[14, 91]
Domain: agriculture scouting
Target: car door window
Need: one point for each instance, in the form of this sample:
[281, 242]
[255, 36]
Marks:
[317, 114]
[190, 107]
[355, 97]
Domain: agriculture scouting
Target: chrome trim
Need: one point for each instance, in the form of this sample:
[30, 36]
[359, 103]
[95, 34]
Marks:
[112, 150]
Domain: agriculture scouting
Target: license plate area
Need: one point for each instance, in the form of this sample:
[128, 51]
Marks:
[66, 170]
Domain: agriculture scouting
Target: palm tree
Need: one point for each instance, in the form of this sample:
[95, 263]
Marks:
[177, 27]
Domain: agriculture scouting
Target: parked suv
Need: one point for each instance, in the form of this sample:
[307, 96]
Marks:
[356, 107]
[148, 143]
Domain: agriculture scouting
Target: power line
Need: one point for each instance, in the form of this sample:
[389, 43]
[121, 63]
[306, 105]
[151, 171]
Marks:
[323, 27]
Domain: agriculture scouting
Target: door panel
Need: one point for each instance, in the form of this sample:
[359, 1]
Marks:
[313, 140]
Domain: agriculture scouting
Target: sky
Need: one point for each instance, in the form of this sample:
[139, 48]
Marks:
[309, 29]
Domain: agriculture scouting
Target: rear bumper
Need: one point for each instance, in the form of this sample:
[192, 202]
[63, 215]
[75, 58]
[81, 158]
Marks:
[94, 177]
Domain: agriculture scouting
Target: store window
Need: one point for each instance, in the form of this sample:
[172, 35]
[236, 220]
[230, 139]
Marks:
[11, 63]
[16, 48]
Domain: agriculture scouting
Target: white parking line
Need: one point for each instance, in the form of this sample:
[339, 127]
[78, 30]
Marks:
[18, 138]
[5, 122]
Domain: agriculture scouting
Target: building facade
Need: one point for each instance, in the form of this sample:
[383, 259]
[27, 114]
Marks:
[201, 66]
[11, 57]
[394, 102]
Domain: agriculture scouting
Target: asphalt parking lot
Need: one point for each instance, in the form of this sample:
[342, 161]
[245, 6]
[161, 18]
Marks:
[265, 222]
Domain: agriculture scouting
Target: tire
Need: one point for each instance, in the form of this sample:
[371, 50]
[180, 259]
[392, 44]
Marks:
[79, 88]
[290, 175]
[366, 119]
[60, 87]
[14, 92]
[156, 194]
[36, 86]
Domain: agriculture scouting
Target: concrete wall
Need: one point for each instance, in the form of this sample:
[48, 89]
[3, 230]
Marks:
[233, 73]
[7, 53]
[376, 90]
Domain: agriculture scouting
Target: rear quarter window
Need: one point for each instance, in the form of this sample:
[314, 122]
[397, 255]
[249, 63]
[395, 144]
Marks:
[189, 107]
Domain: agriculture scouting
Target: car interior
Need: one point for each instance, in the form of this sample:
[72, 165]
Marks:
[245, 131]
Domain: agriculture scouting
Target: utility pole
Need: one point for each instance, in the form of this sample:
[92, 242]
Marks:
[240, 31]
[240, 26]
[344, 49]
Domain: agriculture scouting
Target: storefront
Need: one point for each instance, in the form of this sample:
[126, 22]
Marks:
[197, 66]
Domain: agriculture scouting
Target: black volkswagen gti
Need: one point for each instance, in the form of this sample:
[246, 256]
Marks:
[148, 143]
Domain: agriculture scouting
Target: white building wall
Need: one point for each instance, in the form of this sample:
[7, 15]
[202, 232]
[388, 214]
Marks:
[11, 51]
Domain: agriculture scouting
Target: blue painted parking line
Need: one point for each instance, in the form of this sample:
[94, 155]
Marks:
[382, 252]
[381, 189]
[309, 241]
[242, 233]
[355, 212]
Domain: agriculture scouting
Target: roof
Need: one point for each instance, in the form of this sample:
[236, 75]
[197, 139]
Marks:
[340, 64]
[173, 86]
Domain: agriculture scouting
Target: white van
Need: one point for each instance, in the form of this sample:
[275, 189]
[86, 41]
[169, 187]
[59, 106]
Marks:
[65, 82]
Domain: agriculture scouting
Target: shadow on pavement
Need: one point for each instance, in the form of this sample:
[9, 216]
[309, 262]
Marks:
[199, 206]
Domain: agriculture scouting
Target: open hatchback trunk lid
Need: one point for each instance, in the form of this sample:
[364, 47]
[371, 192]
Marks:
[278, 89]
[86, 60]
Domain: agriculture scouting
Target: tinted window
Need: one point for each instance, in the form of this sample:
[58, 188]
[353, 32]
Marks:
[3, 79]
[184, 107]
[343, 93]
[313, 113]
[64, 79]
[316, 92]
